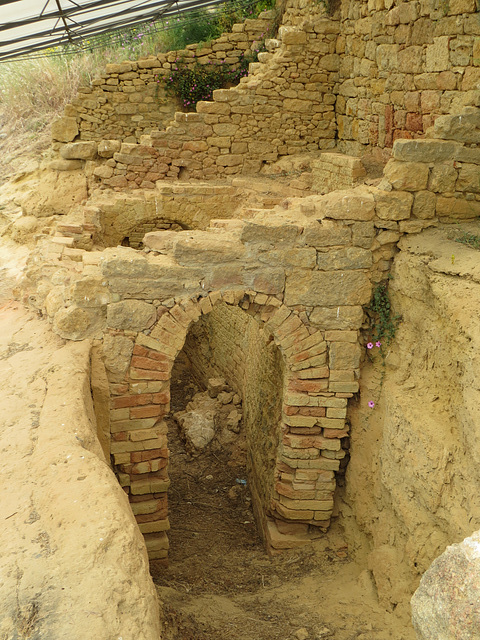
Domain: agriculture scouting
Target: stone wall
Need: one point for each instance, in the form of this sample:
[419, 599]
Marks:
[401, 64]
[130, 98]
[284, 106]
[367, 75]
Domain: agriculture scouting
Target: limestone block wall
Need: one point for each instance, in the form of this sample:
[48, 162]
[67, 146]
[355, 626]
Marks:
[130, 98]
[109, 218]
[284, 106]
[402, 64]
[369, 74]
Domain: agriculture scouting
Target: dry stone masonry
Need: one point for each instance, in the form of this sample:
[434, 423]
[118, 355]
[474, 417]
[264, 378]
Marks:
[130, 99]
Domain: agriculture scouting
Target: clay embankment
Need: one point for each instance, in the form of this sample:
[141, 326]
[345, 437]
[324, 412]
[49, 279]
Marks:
[72, 556]
[412, 481]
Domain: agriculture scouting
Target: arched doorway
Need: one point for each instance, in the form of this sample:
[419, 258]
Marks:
[291, 461]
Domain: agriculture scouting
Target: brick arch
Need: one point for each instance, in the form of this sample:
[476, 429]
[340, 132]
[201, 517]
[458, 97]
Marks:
[311, 428]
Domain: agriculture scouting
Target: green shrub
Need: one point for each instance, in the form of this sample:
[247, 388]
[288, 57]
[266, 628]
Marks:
[191, 83]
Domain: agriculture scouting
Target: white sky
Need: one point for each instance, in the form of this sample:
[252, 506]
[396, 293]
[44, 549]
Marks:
[31, 10]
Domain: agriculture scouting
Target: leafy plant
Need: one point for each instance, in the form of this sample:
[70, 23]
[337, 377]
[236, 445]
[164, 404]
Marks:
[194, 82]
[384, 322]
[470, 239]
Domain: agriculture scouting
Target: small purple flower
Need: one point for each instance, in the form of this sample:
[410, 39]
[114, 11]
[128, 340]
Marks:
[378, 343]
[369, 345]
[371, 404]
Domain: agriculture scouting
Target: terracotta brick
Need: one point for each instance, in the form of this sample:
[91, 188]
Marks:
[305, 430]
[140, 456]
[118, 389]
[161, 514]
[312, 411]
[144, 374]
[149, 363]
[310, 386]
[287, 490]
[148, 411]
[414, 122]
[138, 350]
[336, 433]
[121, 436]
[161, 398]
[132, 401]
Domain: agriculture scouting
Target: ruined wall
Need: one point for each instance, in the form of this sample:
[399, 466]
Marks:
[230, 343]
[412, 481]
[359, 79]
[130, 98]
[284, 106]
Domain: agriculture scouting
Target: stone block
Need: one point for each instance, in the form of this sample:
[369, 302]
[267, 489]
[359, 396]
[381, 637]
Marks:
[89, 292]
[344, 355]
[344, 318]
[203, 248]
[453, 209]
[215, 108]
[410, 60]
[424, 205]
[387, 57]
[349, 204]
[468, 178]
[79, 150]
[327, 288]
[393, 205]
[131, 315]
[65, 129]
[276, 234]
[153, 527]
[447, 601]
[74, 323]
[348, 258]
[326, 233]
[437, 55]
[229, 160]
[123, 67]
[407, 176]
[292, 37]
[103, 171]
[464, 127]
[443, 178]
[423, 150]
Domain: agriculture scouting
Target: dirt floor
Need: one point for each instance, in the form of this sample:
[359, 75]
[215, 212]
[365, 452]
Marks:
[220, 583]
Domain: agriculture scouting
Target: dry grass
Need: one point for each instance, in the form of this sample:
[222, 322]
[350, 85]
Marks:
[33, 93]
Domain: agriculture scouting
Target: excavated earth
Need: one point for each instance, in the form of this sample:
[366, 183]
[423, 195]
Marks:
[220, 583]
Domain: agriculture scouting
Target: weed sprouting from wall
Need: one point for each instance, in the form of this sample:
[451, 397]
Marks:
[383, 321]
[384, 324]
[191, 83]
